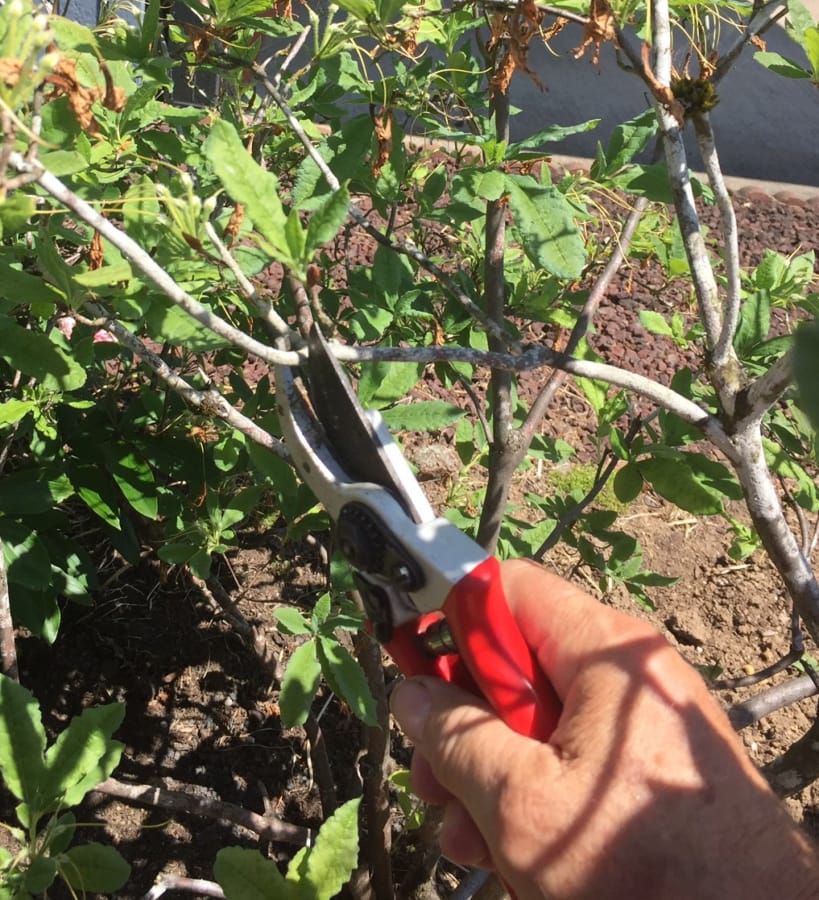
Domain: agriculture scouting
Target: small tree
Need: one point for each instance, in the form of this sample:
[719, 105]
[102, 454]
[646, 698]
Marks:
[149, 243]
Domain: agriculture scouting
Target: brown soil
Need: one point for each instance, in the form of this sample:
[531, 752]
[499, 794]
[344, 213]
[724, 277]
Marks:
[202, 709]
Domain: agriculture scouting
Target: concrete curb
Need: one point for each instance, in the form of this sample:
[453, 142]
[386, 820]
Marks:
[804, 195]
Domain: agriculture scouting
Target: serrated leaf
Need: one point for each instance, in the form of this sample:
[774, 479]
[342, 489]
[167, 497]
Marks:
[292, 620]
[544, 219]
[22, 741]
[347, 679]
[246, 875]
[94, 868]
[84, 754]
[249, 184]
[299, 685]
[327, 219]
[331, 862]
[422, 415]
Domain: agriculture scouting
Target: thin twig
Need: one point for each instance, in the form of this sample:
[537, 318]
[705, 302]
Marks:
[723, 352]
[207, 403]
[268, 828]
[406, 248]
[374, 770]
[135, 254]
[727, 684]
[272, 319]
[604, 473]
[760, 22]
[181, 883]
[767, 702]
[8, 650]
[321, 766]
[596, 295]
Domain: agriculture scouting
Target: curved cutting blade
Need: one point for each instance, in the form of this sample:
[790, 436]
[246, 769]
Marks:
[359, 438]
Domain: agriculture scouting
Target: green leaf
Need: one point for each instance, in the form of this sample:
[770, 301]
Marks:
[626, 141]
[32, 491]
[13, 410]
[781, 65]
[806, 368]
[331, 862]
[544, 218]
[116, 272]
[327, 219]
[61, 832]
[291, 620]
[628, 482]
[676, 482]
[40, 874]
[382, 383]
[15, 211]
[365, 10]
[84, 754]
[552, 134]
[655, 323]
[35, 355]
[347, 679]
[422, 415]
[810, 43]
[299, 685]
[754, 322]
[249, 184]
[135, 479]
[22, 742]
[27, 559]
[94, 868]
[247, 875]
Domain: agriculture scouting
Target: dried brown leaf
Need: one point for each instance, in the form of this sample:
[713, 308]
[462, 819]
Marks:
[598, 30]
[10, 71]
[382, 122]
[95, 254]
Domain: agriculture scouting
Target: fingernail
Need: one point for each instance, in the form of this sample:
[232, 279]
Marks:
[410, 704]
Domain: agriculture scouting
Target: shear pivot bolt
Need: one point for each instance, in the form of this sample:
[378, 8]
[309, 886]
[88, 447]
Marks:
[360, 539]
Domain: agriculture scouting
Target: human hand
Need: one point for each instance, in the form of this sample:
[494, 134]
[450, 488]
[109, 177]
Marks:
[643, 790]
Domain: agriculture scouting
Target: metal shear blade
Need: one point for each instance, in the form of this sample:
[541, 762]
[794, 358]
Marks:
[358, 438]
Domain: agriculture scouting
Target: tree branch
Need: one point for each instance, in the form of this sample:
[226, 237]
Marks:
[8, 650]
[723, 353]
[267, 827]
[763, 704]
[207, 403]
[759, 23]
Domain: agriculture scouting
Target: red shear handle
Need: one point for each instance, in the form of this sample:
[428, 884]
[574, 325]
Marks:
[497, 655]
[493, 659]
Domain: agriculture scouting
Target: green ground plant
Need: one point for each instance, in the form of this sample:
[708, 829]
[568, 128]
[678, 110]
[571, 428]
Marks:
[170, 205]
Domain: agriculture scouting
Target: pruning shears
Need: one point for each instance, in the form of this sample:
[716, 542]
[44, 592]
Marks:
[433, 596]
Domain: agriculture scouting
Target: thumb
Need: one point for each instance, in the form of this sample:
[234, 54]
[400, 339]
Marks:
[469, 750]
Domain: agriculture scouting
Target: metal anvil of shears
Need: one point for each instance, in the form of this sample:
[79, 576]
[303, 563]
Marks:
[433, 596]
